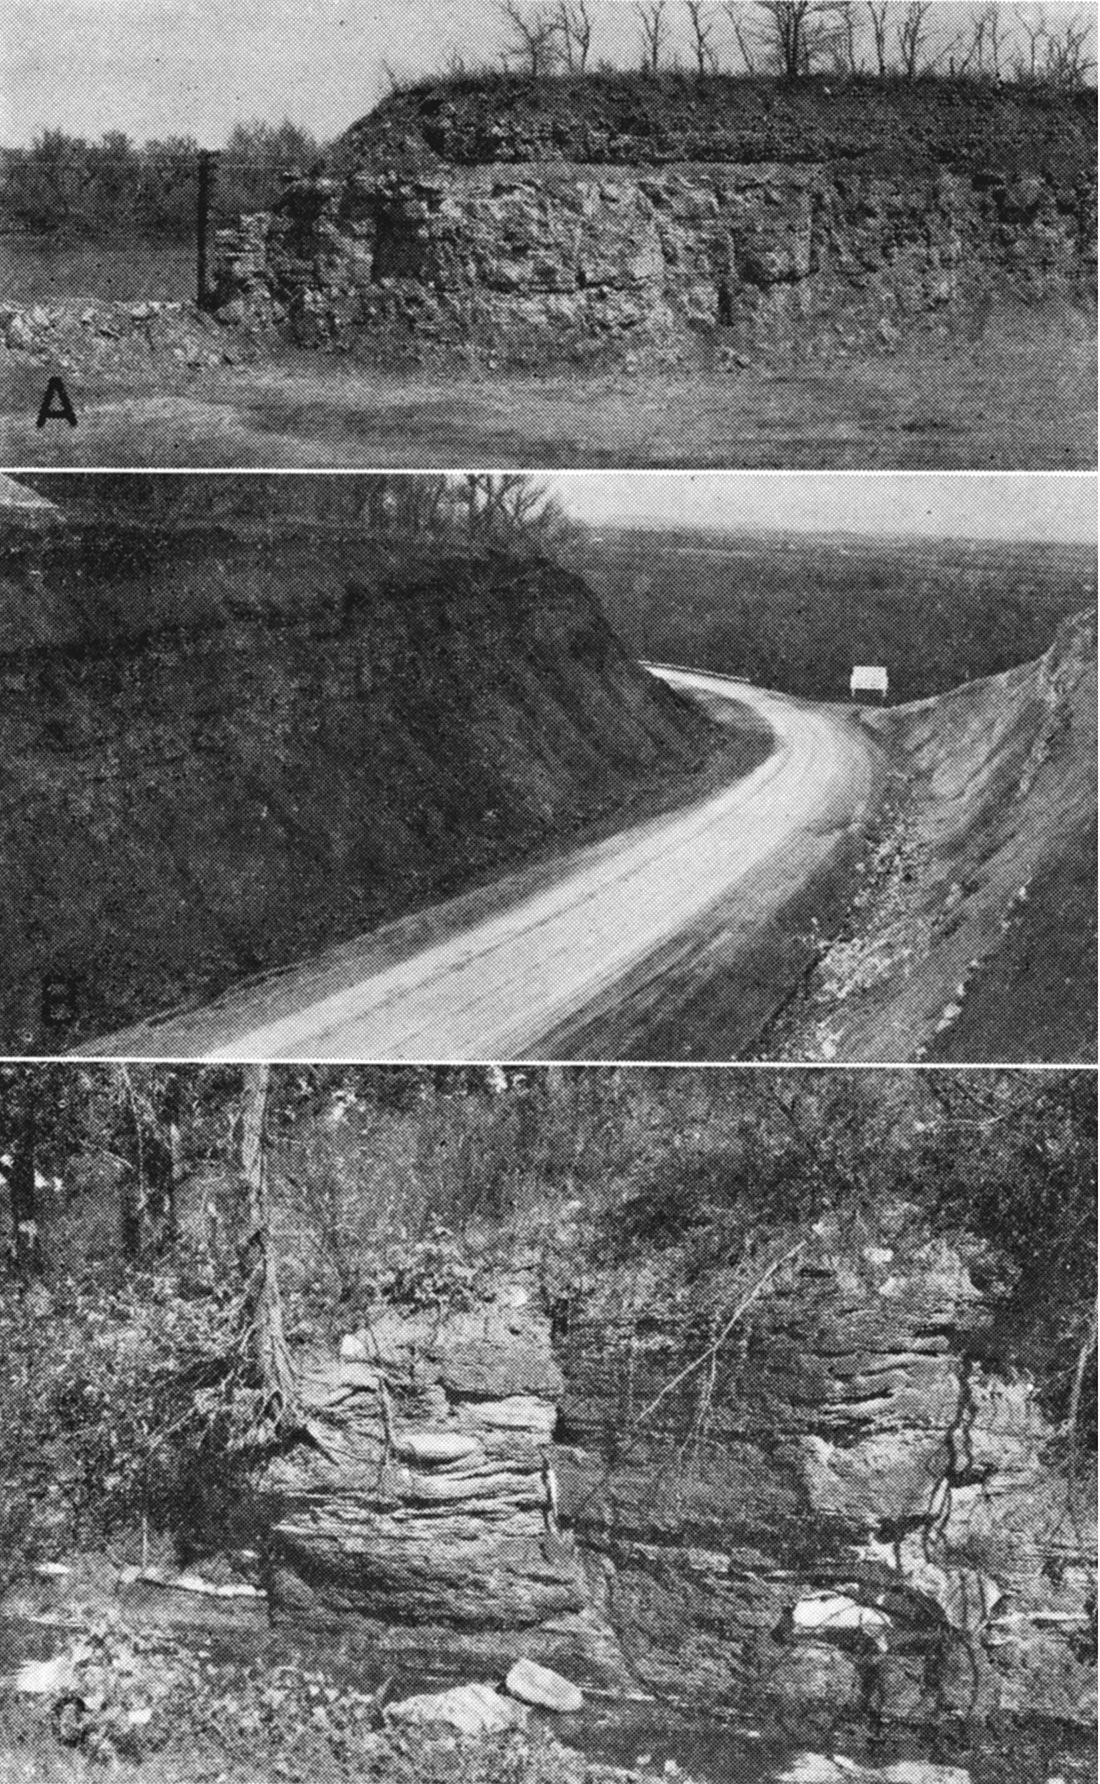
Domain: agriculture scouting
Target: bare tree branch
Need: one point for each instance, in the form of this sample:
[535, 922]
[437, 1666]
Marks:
[700, 12]
[654, 25]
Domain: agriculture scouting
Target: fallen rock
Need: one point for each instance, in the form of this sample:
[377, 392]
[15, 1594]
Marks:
[544, 1689]
[471, 1709]
[45, 1678]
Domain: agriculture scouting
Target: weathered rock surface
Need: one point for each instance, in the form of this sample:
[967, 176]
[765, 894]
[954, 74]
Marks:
[849, 1451]
[410, 1513]
[545, 253]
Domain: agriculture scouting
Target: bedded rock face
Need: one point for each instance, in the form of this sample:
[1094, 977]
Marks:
[840, 1453]
[224, 751]
[422, 1513]
[543, 252]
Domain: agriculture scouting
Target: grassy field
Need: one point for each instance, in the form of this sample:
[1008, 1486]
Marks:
[795, 612]
[35, 270]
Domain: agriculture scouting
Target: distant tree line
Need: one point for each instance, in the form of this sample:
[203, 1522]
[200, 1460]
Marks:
[67, 187]
[794, 39]
[408, 513]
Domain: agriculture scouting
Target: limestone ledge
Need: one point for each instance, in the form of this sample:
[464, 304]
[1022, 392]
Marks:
[648, 251]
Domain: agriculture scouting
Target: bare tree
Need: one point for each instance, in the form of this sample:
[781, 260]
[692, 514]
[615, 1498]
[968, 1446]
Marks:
[22, 1120]
[1067, 64]
[574, 23]
[703, 22]
[535, 43]
[912, 33]
[995, 38]
[797, 34]
[735, 11]
[1028, 66]
[263, 1308]
[845, 50]
[652, 14]
[879, 11]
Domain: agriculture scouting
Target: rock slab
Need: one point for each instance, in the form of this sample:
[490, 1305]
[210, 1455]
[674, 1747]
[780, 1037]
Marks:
[543, 1689]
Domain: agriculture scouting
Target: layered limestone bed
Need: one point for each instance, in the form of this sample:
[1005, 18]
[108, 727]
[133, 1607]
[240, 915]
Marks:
[222, 752]
[835, 1507]
[568, 253]
[423, 1511]
[842, 1507]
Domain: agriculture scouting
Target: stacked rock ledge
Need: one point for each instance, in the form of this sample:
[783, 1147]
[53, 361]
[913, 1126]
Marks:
[524, 257]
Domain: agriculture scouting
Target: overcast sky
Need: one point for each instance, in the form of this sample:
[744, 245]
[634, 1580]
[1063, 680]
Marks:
[155, 68]
[962, 505]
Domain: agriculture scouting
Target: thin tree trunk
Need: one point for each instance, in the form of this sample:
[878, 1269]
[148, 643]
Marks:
[133, 1189]
[27, 1239]
[263, 1304]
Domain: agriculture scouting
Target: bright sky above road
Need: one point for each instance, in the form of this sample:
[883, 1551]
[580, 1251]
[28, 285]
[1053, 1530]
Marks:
[960, 505]
[155, 68]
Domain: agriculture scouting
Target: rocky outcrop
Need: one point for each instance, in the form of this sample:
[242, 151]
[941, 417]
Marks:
[840, 1506]
[225, 749]
[798, 1483]
[422, 1512]
[569, 254]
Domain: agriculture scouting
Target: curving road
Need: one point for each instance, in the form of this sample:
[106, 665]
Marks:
[532, 963]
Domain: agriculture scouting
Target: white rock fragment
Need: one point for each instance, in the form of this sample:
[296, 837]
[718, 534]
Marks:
[471, 1709]
[837, 1613]
[430, 1448]
[41, 1678]
[545, 1690]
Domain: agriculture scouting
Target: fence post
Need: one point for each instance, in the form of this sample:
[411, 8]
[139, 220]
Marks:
[208, 162]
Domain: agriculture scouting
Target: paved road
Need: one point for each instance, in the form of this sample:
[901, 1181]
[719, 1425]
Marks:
[491, 990]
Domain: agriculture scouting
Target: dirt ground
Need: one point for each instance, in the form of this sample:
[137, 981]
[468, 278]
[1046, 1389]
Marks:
[1014, 391]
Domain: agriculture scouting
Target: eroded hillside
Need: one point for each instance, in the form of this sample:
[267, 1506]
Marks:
[973, 936]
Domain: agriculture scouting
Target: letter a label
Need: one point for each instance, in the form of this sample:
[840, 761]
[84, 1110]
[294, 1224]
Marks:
[56, 404]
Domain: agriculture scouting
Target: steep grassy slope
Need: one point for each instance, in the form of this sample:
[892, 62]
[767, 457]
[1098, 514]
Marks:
[220, 752]
[974, 936]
